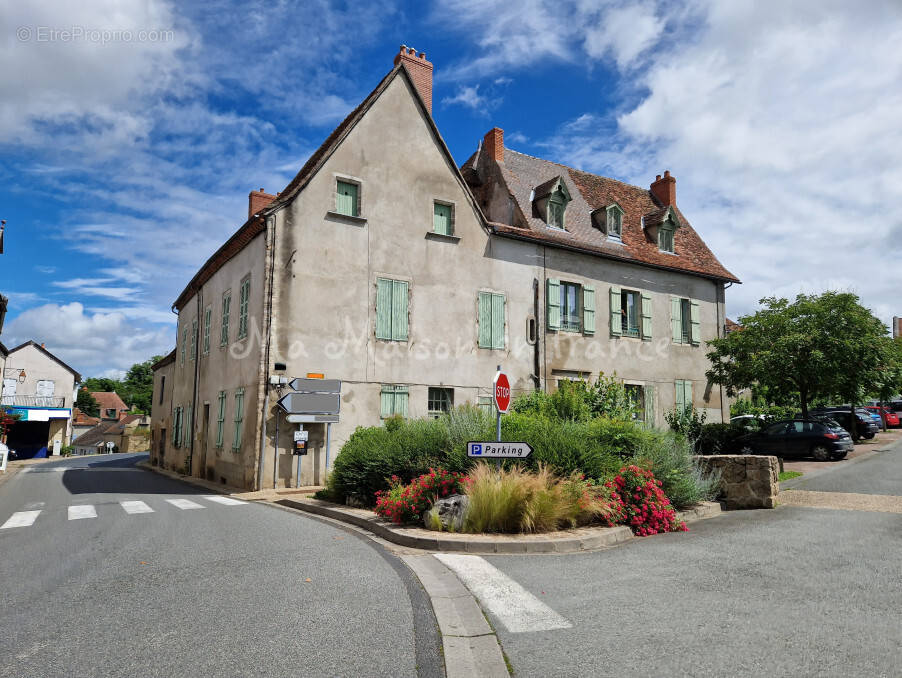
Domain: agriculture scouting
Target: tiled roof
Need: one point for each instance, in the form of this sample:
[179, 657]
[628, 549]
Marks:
[109, 400]
[523, 173]
[168, 359]
[731, 325]
[79, 418]
[95, 435]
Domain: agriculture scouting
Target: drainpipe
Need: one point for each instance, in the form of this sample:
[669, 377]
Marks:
[537, 378]
[271, 233]
[196, 341]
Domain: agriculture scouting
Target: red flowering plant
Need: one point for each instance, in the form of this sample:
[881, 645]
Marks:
[645, 507]
[402, 503]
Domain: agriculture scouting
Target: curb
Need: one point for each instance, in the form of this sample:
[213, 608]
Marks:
[569, 541]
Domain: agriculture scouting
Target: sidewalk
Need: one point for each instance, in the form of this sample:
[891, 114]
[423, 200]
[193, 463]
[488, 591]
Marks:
[878, 443]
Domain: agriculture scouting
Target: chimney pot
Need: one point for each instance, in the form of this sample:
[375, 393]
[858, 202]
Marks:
[493, 144]
[420, 72]
[664, 189]
[257, 200]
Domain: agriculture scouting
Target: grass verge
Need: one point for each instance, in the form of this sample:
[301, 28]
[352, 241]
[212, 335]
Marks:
[788, 475]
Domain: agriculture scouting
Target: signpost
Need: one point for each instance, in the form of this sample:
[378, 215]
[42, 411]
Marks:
[310, 403]
[499, 450]
[109, 446]
[313, 400]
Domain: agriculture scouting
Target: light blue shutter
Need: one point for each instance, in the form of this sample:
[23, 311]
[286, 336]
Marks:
[646, 316]
[190, 426]
[588, 310]
[346, 199]
[383, 308]
[441, 219]
[181, 426]
[497, 321]
[687, 393]
[680, 395]
[553, 304]
[239, 417]
[616, 314]
[401, 397]
[695, 322]
[485, 320]
[676, 320]
[649, 405]
[226, 308]
[175, 427]
[399, 310]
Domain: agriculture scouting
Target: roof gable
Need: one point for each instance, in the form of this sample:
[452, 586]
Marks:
[48, 354]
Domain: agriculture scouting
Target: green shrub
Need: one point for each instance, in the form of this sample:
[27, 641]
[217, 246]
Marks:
[760, 407]
[687, 422]
[580, 401]
[718, 438]
[669, 456]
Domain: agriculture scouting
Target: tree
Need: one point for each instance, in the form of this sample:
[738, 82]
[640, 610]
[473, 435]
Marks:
[86, 403]
[818, 346]
[136, 390]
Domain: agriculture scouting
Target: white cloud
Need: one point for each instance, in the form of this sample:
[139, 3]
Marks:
[625, 32]
[468, 97]
[90, 343]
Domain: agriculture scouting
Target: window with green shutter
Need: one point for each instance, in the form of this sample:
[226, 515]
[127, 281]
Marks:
[239, 418]
[189, 427]
[683, 394]
[553, 304]
[685, 320]
[665, 237]
[442, 219]
[569, 306]
[391, 309]
[346, 198]
[220, 419]
[649, 392]
[616, 312]
[208, 321]
[486, 404]
[491, 320]
[184, 347]
[176, 418]
[226, 310]
[393, 400]
[695, 328]
[194, 339]
[630, 313]
[243, 303]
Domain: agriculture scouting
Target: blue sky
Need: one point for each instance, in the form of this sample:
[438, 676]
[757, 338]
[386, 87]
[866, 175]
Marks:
[127, 150]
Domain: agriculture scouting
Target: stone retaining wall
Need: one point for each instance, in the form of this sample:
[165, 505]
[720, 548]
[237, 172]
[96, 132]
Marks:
[747, 481]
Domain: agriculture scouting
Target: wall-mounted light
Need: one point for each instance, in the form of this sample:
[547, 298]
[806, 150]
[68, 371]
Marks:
[22, 377]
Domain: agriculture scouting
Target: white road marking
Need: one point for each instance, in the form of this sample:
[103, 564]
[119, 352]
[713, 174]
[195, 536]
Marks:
[135, 507]
[20, 519]
[82, 511]
[184, 504]
[228, 501]
[513, 605]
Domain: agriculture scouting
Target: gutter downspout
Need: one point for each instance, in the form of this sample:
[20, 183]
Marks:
[537, 378]
[271, 236]
[195, 339]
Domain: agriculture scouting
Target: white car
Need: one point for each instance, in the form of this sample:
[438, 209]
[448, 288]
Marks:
[750, 422]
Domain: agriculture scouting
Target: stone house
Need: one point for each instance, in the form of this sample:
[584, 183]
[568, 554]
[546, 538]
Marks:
[112, 407]
[131, 433]
[386, 266]
[82, 423]
[40, 388]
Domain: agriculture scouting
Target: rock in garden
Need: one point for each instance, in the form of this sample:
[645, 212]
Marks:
[451, 511]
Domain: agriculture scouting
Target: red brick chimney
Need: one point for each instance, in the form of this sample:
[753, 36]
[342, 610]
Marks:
[493, 144]
[257, 200]
[664, 189]
[420, 72]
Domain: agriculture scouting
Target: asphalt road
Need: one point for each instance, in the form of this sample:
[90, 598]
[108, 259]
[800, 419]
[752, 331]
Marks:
[787, 592]
[161, 587]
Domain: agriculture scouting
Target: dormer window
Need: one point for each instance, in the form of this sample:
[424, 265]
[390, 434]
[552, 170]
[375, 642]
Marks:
[550, 202]
[665, 237]
[614, 221]
[660, 226]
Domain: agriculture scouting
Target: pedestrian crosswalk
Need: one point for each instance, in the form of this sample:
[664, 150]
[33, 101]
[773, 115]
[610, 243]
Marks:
[26, 518]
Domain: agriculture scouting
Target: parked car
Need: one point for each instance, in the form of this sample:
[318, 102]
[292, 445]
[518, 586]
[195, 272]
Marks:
[892, 419]
[750, 422]
[822, 439]
[865, 426]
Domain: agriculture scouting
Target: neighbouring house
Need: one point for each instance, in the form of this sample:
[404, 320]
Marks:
[897, 327]
[40, 388]
[82, 423]
[386, 266]
[731, 326]
[112, 407]
[129, 434]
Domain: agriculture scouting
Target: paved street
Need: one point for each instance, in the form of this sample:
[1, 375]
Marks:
[109, 570]
[787, 592]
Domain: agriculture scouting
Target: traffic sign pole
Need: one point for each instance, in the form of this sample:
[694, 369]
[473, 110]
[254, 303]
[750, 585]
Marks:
[497, 417]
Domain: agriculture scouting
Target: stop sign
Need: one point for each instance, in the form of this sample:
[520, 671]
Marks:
[502, 392]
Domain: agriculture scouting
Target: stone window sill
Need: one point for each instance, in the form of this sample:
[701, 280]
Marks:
[360, 221]
[432, 235]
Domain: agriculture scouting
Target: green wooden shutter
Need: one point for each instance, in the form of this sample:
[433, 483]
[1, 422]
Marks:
[175, 427]
[220, 419]
[226, 308]
[687, 393]
[680, 395]
[181, 426]
[387, 401]
[497, 321]
[402, 395]
[695, 322]
[243, 302]
[194, 339]
[441, 219]
[346, 199]
[485, 320]
[208, 320]
[676, 320]
[646, 316]
[649, 391]
[588, 310]
[383, 308]
[616, 314]
[553, 304]
[239, 418]
[399, 310]
[190, 428]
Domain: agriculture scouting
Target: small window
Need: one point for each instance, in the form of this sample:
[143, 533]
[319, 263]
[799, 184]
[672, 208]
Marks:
[636, 395]
[391, 309]
[442, 219]
[686, 321]
[111, 413]
[531, 330]
[347, 198]
[162, 387]
[491, 320]
[665, 237]
[630, 309]
[441, 400]
[570, 315]
[486, 404]
[393, 400]
[614, 222]
[226, 312]
[557, 203]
